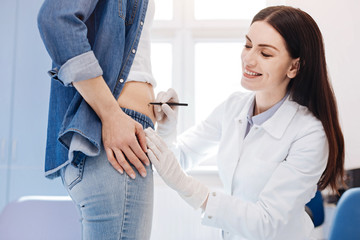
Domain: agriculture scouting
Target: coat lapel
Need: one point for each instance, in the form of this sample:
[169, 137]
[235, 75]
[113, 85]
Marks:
[275, 126]
[278, 123]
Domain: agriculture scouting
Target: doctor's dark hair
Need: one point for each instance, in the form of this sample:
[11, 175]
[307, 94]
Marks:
[311, 86]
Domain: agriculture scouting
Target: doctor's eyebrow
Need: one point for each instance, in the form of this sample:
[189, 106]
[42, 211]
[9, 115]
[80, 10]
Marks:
[263, 45]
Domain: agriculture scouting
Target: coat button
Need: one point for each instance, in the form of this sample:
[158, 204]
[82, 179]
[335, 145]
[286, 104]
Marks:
[133, 51]
[142, 23]
[121, 80]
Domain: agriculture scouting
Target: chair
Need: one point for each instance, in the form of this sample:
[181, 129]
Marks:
[345, 225]
[315, 208]
[40, 218]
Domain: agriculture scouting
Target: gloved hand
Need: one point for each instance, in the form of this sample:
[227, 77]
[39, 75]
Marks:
[166, 116]
[167, 166]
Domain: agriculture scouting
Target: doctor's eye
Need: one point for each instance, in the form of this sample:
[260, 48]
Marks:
[266, 55]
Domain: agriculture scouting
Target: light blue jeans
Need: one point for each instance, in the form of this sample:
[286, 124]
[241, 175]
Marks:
[112, 205]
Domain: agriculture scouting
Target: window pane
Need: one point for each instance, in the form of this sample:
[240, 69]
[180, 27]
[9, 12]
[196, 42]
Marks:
[163, 9]
[217, 75]
[227, 9]
[161, 57]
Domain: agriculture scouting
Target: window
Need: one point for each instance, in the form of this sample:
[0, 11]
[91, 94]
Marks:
[162, 64]
[196, 48]
[227, 9]
[215, 62]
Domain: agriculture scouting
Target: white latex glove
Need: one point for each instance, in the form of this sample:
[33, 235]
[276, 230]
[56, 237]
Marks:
[166, 116]
[167, 166]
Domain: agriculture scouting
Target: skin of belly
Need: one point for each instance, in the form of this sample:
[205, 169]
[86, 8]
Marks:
[137, 96]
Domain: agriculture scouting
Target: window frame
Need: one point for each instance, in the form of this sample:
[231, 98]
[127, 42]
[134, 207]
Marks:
[183, 31]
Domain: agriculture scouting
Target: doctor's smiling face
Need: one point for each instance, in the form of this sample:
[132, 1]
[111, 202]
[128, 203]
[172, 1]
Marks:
[266, 63]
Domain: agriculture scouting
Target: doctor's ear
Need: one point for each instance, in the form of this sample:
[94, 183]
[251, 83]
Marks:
[294, 68]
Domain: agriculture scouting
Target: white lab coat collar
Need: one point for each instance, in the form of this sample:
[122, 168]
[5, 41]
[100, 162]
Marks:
[278, 123]
[242, 117]
[281, 119]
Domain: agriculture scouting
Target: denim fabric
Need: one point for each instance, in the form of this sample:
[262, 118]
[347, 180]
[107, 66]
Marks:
[85, 39]
[112, 205]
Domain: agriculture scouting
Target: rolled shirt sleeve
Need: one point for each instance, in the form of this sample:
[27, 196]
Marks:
[64, 33]
[82, 67]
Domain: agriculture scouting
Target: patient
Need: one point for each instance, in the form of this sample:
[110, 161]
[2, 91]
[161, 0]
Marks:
[100, 89]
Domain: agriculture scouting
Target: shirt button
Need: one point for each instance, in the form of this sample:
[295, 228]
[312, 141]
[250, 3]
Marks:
[133, 51]
[214, 194]
[240, 121]
[121, 80]
[142, 23]
[256, 128]
[209, 217]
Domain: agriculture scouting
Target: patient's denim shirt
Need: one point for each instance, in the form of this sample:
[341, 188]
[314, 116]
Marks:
[85, 39]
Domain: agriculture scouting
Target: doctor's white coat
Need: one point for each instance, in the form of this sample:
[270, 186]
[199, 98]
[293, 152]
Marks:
[268, 177]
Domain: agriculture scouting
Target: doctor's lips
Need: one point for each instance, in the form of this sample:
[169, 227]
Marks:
[251, 73]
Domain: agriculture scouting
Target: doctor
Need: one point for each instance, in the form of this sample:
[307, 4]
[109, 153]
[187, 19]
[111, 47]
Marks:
[276, 145]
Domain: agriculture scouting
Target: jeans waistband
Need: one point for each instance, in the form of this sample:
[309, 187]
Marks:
[144, 120]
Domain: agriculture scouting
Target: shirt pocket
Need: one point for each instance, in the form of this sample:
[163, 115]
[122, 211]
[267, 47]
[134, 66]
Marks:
[128, 10]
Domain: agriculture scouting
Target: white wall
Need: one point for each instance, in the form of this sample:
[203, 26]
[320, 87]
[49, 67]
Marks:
[339, 22]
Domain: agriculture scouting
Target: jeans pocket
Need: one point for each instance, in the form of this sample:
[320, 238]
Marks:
[73, 174]
[127, 10]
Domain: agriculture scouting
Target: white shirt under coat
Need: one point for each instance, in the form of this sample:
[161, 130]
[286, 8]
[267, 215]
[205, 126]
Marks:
[268, 176]
[141, 69]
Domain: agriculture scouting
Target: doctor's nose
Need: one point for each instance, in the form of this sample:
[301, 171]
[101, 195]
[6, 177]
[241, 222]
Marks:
[248, 58]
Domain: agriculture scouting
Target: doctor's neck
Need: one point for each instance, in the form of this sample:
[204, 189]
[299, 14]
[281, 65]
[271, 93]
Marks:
[264, 101]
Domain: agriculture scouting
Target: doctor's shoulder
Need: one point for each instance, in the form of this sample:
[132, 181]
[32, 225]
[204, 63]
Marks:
[307, 123]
